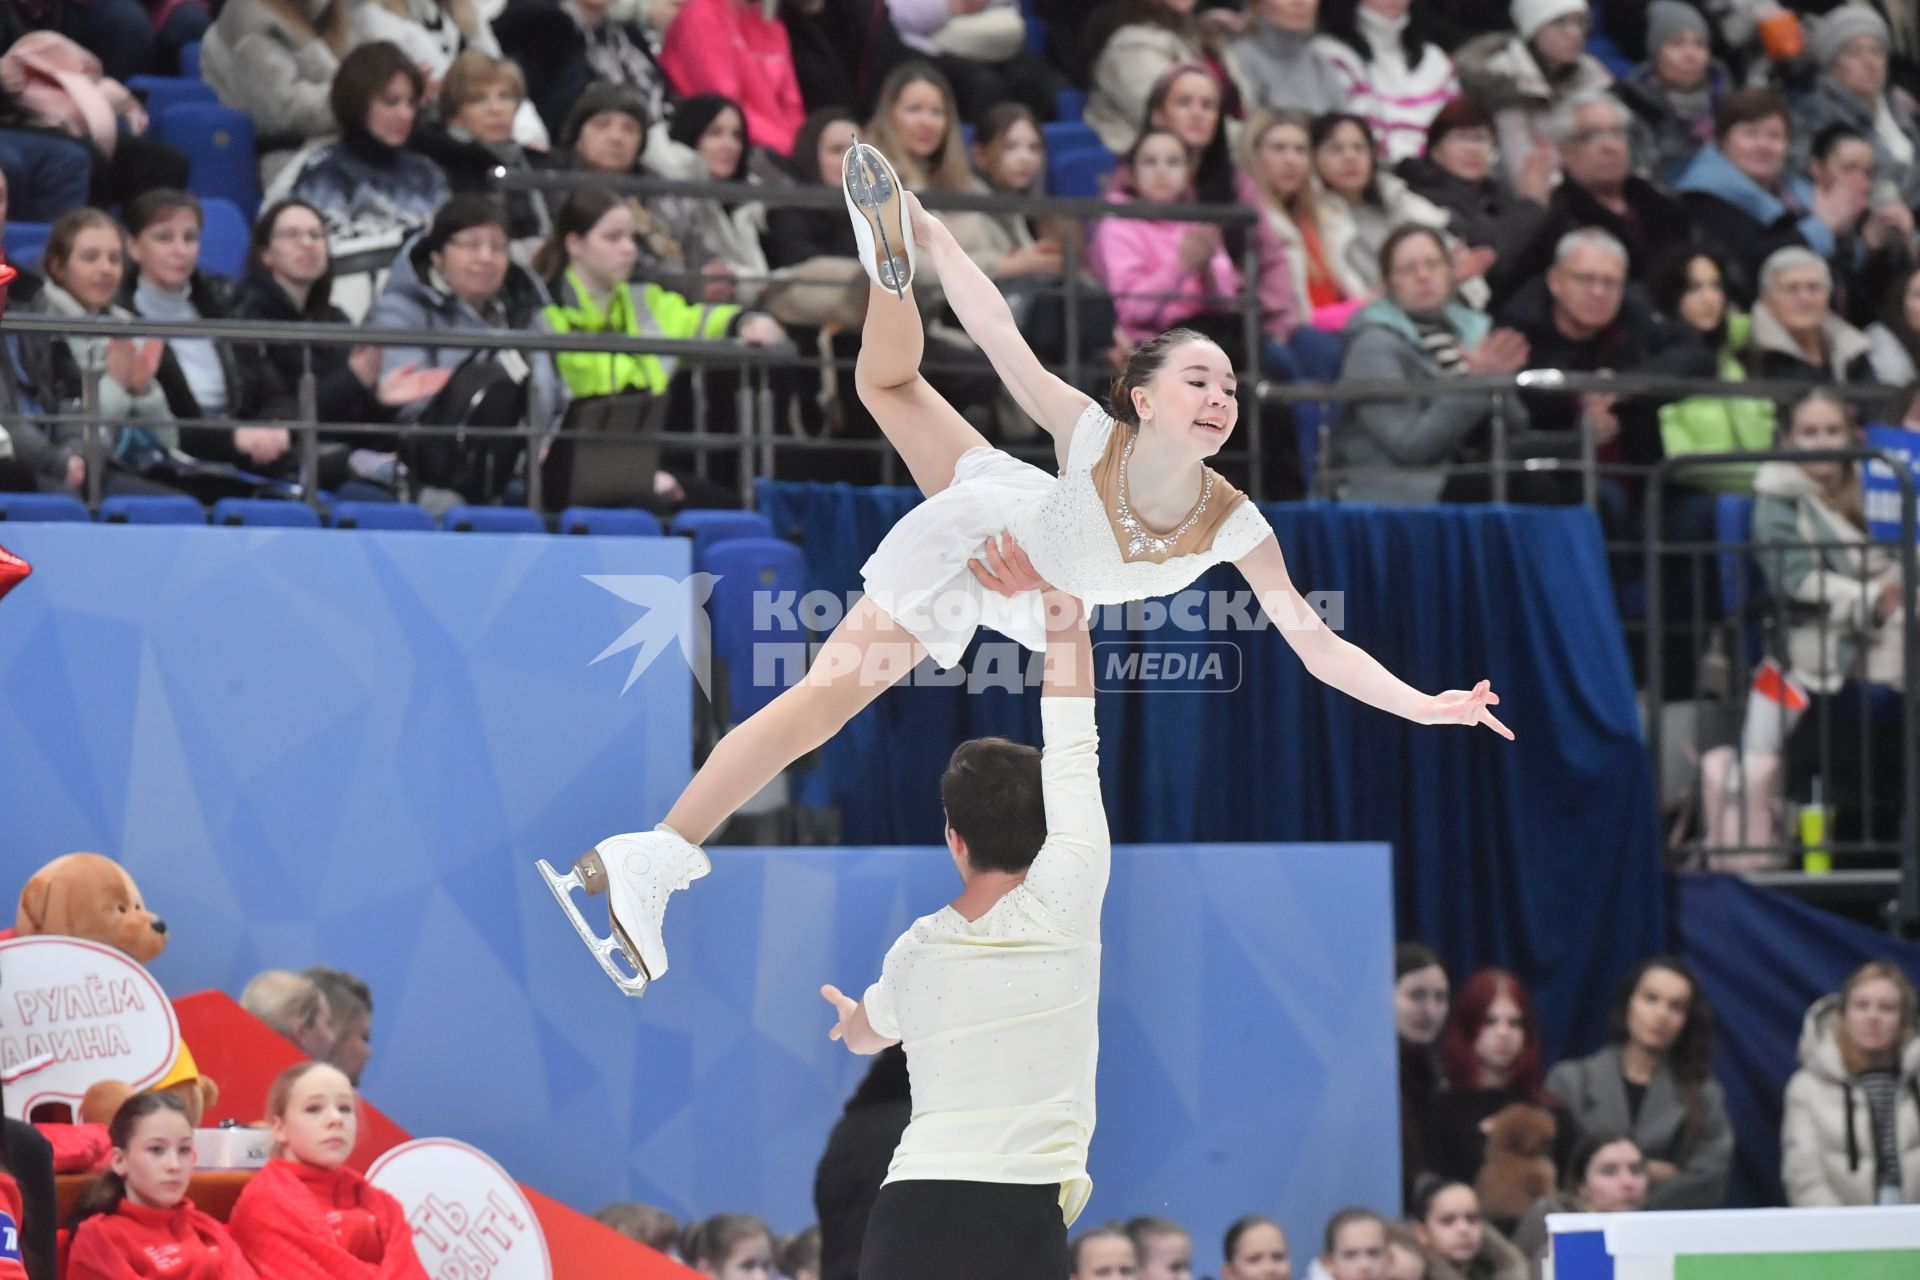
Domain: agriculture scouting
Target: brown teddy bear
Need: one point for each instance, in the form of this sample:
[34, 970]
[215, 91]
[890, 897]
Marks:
[1518, 1169]
[85, 895]
[197, 1093]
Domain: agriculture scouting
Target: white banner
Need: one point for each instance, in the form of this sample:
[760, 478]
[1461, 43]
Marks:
[86, 1010]
[470, 1220]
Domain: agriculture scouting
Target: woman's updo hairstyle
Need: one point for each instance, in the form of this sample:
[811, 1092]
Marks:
[1143, 366]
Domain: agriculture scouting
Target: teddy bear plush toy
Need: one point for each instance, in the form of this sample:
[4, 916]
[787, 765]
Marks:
[85, 895]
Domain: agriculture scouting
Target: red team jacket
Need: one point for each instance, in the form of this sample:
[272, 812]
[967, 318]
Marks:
[135, 1242]
[11, 1268]
[300, 1223]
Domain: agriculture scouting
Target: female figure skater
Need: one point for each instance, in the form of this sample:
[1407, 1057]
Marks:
[1134, 513]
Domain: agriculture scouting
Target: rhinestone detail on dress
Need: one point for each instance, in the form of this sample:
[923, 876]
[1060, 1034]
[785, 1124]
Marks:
[1139, 537]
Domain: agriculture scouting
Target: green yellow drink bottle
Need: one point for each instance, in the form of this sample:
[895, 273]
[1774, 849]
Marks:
[1815, 858]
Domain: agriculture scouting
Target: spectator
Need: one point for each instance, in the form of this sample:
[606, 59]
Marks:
[855, 1161]
[917, 127]
[1391, 71]
[434, 34]
[117, 32]
[1600, 190]
[1703, 335]
[1581, 317]
[1279, 65]
[1846, 1138]
[1490, 1053]
[796, 235]
[1391, 450]
[1164, 1248]
[1010, 158]
[1893, 341]
[1359, 206]
[1187, 101]
[201, 379]
[1406, 1259]
[1102, 1253]
[290, 280]
[1796, 336]
[733, 48]
[27, 1189]
[1135, 45]
[36, 464]
[1522, 78]
[1607, 1174]
[800, 1255]
[45, 174]
[293, 1005]
[84, 264]
[351, 1002]
[275, 60]
[1356, 1245]
[1420, 993]
[1878, 244]
[1255, 1248]
[730, 1246]
[1162, 273]
[305, 1212]
[981, 46]
[138, 1211]
[1676, 93]
[655, 1228]
[1850, 46]
[474, 144]
[608, 132]
[1460, 1244]
[1306, 297]
[715, 129]
[842, 50]
[1652, 1081]
[586, 266]
[372, 191]
[1745, 204]
[1810, 524]
[567, 48]
[1456, 174]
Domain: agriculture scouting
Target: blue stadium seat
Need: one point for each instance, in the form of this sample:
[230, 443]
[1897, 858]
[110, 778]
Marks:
[380, 515]
[1069, 135]
[707, 528]
[223, 244]
[219, 143]
[265, 513]
[162, 92]
[169, 508]
[1080, 173]
[190, 60]
[746, 568]
[494, 520]
[619, 522]
[1070, 104]
[26, 240]
[43, 508]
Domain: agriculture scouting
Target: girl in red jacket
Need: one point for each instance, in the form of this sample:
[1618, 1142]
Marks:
[136, 1221]
[305, 1216]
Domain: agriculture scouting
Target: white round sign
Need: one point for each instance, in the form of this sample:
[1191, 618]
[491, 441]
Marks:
[87, 1012]
[470, 1220]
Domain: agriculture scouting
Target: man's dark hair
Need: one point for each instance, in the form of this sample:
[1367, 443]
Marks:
[992, 793]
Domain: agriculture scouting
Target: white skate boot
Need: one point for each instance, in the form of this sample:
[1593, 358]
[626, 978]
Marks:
[877, 203]
[637, 872]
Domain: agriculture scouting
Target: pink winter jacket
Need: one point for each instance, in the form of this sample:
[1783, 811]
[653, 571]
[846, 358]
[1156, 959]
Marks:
[727, 47]
[1139, 263]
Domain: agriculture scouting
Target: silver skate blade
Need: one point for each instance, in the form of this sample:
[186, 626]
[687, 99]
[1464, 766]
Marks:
[604, 949]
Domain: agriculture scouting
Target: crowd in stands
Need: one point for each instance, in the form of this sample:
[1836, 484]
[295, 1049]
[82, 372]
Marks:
[1571, 206]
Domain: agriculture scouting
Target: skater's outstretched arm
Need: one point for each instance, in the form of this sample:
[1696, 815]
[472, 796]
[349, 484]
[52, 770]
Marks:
[1346, 666]
[854, 1029]
[1053, 403]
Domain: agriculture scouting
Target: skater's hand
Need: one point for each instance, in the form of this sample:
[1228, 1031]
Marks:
[844, 1005]
[1007, 570]
[1457, 706]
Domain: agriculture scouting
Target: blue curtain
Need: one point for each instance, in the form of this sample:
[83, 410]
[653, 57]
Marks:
[1763, 958]
[1542, 854]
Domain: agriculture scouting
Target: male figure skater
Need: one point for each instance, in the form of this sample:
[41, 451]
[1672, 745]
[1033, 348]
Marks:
[996, 996]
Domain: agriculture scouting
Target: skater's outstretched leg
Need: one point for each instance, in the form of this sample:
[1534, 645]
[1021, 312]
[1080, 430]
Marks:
[929, 434]
[867, 653]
